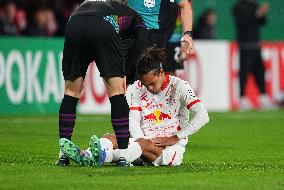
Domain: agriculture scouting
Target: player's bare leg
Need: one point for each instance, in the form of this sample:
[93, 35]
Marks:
[74, 88]
[149, 152]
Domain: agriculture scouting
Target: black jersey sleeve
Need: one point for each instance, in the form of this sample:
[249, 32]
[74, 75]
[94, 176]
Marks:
[139, 33]
[133, 36]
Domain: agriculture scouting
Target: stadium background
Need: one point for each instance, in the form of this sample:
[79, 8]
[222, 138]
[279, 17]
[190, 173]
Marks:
[31, 81]
[225, 25]
[236, 150]
[272, 31]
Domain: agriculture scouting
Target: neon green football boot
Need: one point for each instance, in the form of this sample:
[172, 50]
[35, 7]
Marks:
[79, 156]
[95, 148]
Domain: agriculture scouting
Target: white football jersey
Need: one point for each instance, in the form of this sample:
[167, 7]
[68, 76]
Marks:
[163, 114]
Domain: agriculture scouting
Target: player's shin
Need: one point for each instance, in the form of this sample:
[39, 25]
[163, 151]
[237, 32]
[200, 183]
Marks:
[67, 116]
[120, 121]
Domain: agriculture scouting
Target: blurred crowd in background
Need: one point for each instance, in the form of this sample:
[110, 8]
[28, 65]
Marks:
[35, 17]
[49, 17]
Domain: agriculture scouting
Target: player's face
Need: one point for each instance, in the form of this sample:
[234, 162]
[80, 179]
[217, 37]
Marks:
[153, 81]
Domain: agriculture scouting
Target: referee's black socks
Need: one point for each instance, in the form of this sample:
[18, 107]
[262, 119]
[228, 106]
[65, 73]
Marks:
[120, 119]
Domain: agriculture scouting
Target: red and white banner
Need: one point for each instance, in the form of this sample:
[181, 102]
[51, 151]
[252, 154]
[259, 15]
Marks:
[207, 73]
[213, 74]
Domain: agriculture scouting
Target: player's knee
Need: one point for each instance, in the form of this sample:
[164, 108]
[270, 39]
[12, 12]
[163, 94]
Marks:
[115, 90]
[115, 86]
[145, 144]
[74, 88]
[112, 139]
[173, 156]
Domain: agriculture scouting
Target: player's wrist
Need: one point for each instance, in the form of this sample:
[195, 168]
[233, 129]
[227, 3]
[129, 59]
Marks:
[188, 32]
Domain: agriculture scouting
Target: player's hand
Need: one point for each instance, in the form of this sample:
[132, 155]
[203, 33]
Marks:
[187, 47]
[165, 141]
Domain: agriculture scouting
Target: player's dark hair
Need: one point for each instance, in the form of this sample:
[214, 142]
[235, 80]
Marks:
[152, 59]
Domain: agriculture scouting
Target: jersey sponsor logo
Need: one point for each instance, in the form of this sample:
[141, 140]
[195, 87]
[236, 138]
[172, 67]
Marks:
[157, 116]
[165, 131]
[149, 3]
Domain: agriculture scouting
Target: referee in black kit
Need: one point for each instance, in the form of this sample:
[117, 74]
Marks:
[96, 31]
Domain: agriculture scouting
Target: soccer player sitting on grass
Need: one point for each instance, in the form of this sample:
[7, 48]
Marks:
[160, 106]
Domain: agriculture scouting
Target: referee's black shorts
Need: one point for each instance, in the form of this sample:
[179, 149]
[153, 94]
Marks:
[87, 39]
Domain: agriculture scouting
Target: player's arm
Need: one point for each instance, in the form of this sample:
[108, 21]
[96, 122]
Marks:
[196, 107]
[139, 34]
[186, 14]
[199, 119]
[135, 112]
[186, 18]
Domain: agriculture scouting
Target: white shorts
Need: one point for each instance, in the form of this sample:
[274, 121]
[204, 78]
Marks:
[172, 155]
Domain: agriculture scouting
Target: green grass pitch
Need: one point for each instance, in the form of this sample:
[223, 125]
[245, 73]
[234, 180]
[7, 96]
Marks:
[242, 150]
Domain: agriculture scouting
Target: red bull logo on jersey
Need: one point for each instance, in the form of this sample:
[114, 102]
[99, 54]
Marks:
[157, 116]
